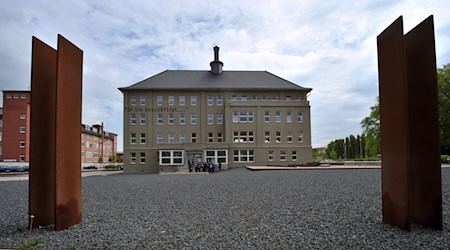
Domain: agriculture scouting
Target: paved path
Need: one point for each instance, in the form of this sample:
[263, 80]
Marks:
[321, 167]
[24, 176]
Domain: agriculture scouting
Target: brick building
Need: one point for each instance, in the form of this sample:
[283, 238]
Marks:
[15, 132]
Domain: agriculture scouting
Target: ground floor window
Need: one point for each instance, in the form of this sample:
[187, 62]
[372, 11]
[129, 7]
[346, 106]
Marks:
[132, 157]
[294, 155]
[216, 156]
[243, 156]
[171, 157]
[142, 154]
[270, 155]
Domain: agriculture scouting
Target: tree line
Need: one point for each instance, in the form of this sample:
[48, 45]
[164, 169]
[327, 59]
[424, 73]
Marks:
[367, 145]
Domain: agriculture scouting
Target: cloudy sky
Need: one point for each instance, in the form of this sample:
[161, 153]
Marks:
[329, 46]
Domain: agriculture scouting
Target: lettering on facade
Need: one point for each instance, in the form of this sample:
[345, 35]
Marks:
[155, 110]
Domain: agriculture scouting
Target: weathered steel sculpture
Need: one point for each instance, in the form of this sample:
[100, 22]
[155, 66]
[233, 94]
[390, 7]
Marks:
[55, 132]
[410, 150]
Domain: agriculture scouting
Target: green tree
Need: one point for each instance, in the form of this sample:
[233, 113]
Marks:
[371, 130]
[443, 76]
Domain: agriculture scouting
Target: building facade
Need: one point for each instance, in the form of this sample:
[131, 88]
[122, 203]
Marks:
[96, 144]
[236, 118]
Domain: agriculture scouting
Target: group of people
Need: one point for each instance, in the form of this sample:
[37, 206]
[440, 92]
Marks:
[204, 166]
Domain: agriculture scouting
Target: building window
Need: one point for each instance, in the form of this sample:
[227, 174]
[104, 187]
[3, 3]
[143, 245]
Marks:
[288, 98]
[133, 119]
[298, 98]
[210, 119]
[282, 155]
[182, 119]
[267, 116]
[294, 155]
[242, 117]
[270, 155]
[23, 116]
[235, 117]
[142, 100]
[22, 129]
[142, 118]
[278, 137]
[250, 137]
[182, 137]
[193, 137]
[193, 119]
[216, 156]
[22, 144]
[133, 138]
[264, 98]
[210, 137]
[219, 100]
[16, 96]
[171, 100]
[171, 119]
[210, 100]
[193, 100]
[300, 116]
[142, 157]
[233, 98]
[243, 156]
[251, 116]
[170, 157]
[133, 100]
[243, 98]
[160, 100]
[182, 100]
[289, 136]
[143, 138]
[255, 98]
[219, 119]
[235, 136]
[171, 138]
[159, 138]
[278, 116]
[23, 96]
[289, 117]
[219, 137]
[267, 137]
[8, 96]
[300, 137]
[160, 119]
[132, 157]
[274, 98]
[22, 158]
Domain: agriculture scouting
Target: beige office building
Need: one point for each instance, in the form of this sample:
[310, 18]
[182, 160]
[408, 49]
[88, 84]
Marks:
[237, 118]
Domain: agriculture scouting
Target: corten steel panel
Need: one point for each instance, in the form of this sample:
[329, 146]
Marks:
[68, 134]
[425, 192]
[393, 125]
[42, 134]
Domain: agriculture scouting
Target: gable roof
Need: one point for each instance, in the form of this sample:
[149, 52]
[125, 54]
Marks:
[205, 80]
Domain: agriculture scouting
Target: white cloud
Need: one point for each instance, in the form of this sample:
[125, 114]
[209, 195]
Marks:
[330, 47]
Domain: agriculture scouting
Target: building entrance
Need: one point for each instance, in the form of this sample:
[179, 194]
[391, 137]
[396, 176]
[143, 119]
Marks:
[195, 157]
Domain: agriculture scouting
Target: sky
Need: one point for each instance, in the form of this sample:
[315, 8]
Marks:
[329, 46]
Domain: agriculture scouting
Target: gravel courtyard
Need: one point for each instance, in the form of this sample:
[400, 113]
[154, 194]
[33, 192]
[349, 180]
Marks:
[233, 209]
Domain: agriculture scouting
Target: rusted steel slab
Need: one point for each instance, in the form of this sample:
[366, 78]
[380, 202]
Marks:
[411, 169]
[393, 125]
[42, 134]
[55, 164]
[425, 193]
[68, 134]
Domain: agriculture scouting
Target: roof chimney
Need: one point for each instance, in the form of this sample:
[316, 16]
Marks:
[216, 65]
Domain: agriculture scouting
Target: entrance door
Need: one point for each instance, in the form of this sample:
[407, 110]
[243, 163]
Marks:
[194, 157]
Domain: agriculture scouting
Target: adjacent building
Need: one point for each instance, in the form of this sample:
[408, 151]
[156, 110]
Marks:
[236, 118]
[96, 144]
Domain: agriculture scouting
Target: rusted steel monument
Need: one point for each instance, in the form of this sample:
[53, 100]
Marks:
[410, 149]
[55, 164]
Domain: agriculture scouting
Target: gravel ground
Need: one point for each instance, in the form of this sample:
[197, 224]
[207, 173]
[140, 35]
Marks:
[233, 209]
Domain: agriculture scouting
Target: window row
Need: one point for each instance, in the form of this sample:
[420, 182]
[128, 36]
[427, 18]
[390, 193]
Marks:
[16, 96]
[265, 98]
[282, 155]
[278, 137]
[243, 137]
[181, 100]
[171, 119]
[171, 138]
[289, 116]
[243, 116]
[243, 156]
[142, 138]
[133, 157]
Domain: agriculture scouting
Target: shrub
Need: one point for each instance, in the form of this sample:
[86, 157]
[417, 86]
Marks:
[445, 158]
